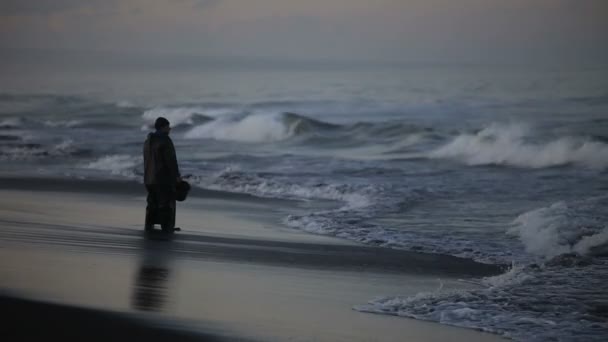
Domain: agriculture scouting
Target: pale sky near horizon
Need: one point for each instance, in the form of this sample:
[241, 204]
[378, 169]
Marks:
[375, 30]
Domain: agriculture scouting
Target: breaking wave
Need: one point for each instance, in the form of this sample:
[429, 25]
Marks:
[511, 145]
[259, 128]
[11, 123]
[564, 228]
[66, 123]
[18, 150]
[21, 123]
[179, 116]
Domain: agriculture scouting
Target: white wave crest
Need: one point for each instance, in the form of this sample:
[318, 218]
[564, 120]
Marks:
[36, 151]
[125, 104]
[514, 276]
[233, 180]
[256, 128]
[180, 116]
[119, 164]
[66, 124]
[562, 228]
[11, 123]
[507, 145]
[63, 148]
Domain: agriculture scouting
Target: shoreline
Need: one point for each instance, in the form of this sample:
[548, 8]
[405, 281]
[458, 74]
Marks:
[108, 186]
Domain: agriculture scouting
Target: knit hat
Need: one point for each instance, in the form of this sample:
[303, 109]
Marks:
[160, 123]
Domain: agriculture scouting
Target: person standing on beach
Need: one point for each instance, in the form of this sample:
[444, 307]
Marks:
[161, 175]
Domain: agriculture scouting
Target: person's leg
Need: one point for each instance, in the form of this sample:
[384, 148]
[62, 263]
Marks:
[173, 212]
[151, 208]
[166, 204]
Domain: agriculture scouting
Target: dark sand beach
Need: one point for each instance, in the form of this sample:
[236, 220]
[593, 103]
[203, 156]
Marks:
[77, 265]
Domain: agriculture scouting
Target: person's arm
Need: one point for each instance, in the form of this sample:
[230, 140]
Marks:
[171, 160]
[148, 175]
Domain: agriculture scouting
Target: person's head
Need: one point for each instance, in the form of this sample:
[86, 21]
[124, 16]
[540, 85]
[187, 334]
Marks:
[162, 125]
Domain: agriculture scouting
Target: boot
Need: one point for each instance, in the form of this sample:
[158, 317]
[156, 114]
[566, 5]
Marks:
[150, 218]
[167, 220]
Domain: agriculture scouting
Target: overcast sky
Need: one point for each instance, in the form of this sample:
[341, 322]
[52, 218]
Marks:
[375, 30]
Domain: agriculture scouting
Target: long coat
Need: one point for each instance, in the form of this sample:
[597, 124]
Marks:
[160, 161]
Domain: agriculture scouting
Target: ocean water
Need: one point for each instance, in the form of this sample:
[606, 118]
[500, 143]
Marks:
[502, 165]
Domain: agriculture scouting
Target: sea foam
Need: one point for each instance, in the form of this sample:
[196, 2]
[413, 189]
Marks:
[233, 179]
[557, 298]
[563, 227]
[119, 164]
[33, 151]
[547, 303]
[500, 144]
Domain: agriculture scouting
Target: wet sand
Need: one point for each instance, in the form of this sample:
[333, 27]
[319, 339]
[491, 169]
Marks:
[30, 320]
[233, 272]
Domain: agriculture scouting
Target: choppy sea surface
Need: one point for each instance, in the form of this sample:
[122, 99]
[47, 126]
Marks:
[501, 165]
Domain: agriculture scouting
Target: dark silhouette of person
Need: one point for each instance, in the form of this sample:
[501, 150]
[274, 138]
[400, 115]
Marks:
[161, 174]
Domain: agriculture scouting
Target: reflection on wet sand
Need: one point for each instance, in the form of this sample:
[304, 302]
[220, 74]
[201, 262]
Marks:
[150, 290]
